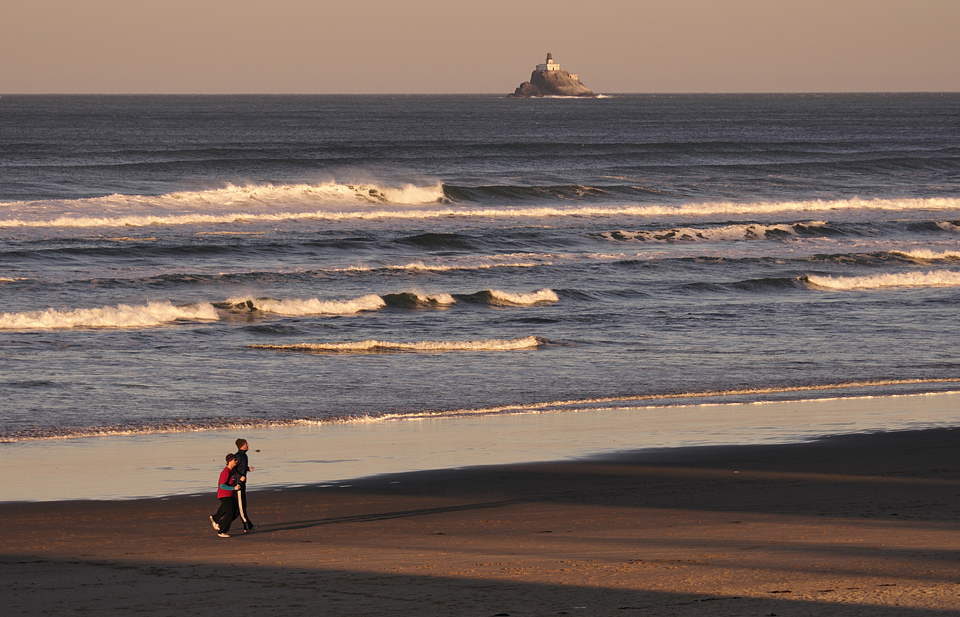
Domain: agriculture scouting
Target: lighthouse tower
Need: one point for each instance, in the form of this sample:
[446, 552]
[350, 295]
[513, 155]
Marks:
[550, 64]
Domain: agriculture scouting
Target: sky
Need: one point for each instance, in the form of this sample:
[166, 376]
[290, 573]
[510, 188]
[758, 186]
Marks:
[489, 46]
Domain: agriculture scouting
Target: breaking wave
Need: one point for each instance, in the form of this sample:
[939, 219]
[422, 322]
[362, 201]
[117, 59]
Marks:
[156, 313]
[524, 299]
[938, 278]
[121, 316]
[313, 306]
[416, 300]
[224, 205]
[371, 346]
[928, 255]
[496, 297]
[372, 302]
[299, 202]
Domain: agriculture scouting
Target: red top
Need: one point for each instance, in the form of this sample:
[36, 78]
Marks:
[224, 481]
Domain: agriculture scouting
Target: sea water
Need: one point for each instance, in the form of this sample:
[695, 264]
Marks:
[184, 263]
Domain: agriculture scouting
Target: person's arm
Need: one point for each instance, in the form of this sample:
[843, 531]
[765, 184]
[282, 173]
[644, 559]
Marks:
[225, 477]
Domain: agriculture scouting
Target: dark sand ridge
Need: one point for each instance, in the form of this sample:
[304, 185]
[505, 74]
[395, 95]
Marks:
[856, 525]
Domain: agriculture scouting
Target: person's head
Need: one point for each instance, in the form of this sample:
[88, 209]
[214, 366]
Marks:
[242, 444]
[231, 461]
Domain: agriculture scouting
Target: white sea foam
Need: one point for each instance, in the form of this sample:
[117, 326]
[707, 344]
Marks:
[928, 255]
[224, 205]
[298, 202]
[369, 346]
[715, 234]
[121, 316]
[524, 299]
[412, 194]
[436, 299]
[156, 313]
[419, 265]
[278, 194]
[312, 306]
[937, 278]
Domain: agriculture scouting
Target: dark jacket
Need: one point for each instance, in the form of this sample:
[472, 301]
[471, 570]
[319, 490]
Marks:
[243, 465]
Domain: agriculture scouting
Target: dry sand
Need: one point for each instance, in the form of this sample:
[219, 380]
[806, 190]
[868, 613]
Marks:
[856, 525]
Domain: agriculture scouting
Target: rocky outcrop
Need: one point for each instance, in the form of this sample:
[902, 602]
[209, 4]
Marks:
[551, 83]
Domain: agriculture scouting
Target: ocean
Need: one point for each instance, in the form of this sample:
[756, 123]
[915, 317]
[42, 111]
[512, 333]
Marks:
[182, 263]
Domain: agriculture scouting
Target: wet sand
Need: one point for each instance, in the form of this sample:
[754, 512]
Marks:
[854, 525]
[162, 464]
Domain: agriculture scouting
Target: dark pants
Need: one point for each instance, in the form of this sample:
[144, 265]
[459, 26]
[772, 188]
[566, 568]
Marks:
[242, 507]
[226, 513]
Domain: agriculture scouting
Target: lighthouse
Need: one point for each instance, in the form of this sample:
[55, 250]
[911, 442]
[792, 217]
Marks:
[550, 65]
[548, 80]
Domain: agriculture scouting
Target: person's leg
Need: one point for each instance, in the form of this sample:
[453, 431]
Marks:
[241, 510]
[225, 514]
[242, 507]
[218, 517]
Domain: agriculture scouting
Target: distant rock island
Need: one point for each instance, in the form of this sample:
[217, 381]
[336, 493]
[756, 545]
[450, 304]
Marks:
[548, 80]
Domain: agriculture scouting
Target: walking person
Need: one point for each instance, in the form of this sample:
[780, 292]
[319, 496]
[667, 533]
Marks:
[243, 468]
[226, 491]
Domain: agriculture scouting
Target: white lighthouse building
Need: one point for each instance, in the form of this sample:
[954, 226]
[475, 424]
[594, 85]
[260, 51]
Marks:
[550, 64]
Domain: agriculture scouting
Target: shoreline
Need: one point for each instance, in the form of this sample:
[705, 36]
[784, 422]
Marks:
[856, 390]
[843, 525]
[171, 464]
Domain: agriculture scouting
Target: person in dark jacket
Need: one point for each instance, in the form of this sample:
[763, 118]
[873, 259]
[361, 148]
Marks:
[243, 468]
[226, 490]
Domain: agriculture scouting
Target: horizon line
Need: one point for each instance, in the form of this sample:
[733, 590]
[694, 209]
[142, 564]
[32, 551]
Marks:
[758, 92]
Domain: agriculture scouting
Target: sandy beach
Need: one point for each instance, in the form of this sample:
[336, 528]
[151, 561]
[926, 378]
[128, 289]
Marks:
[852, 525]
[118, 467]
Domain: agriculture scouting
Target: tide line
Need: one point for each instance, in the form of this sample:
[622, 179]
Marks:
[562, 407]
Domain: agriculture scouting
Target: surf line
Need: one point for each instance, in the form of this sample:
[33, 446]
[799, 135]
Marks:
[221, 424]
[682, 396]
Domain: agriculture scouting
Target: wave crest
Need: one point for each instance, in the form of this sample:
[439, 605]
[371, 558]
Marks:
[299, 202]
[928, 255]
[313, 306]
[524, 299]
[223, 205]
[938, 278]
[372, 346]
[415, 300]
[121, 316]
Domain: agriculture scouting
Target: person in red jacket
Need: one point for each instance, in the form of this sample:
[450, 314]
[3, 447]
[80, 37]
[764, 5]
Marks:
[226, 493]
